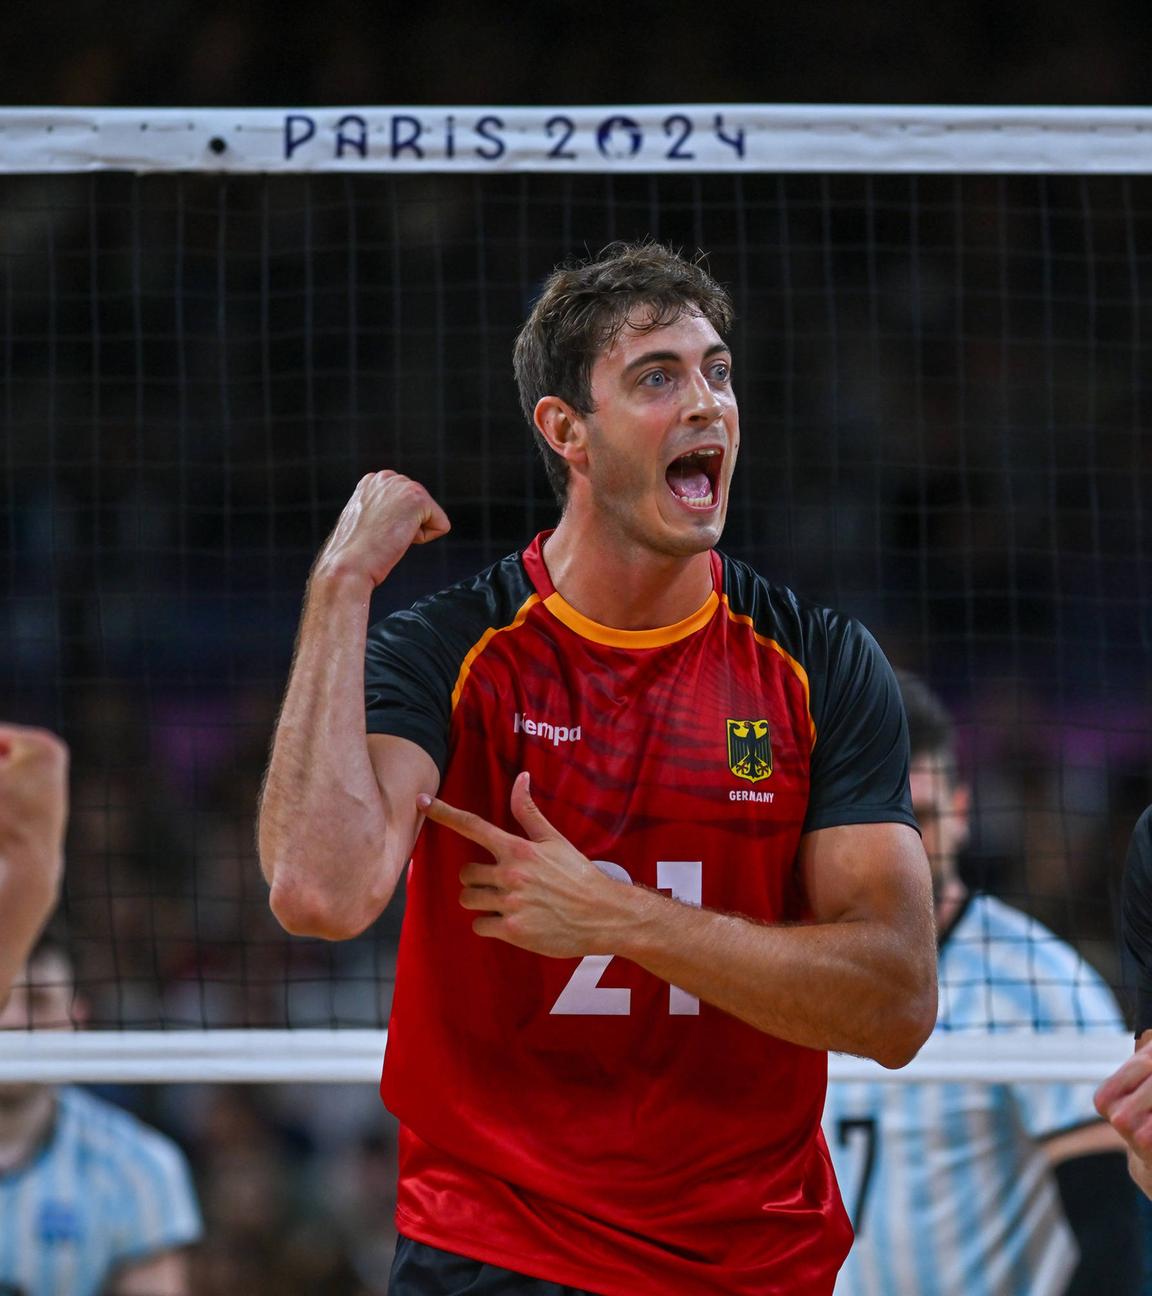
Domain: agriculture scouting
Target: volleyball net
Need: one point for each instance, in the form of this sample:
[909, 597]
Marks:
[216, 322]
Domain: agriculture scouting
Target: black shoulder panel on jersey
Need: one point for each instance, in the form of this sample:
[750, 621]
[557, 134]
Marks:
[413, 658]
[860, 757]
[1136, 919]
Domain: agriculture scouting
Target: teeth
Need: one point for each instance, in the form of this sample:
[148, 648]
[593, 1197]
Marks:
[710, 453]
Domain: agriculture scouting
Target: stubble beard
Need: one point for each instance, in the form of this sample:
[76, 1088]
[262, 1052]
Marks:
[16, 1096]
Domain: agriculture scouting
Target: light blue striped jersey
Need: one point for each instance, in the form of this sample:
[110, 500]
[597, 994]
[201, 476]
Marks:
[948, 1184]
[103, 1190]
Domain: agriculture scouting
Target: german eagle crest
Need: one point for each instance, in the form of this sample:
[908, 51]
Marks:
[749, 749]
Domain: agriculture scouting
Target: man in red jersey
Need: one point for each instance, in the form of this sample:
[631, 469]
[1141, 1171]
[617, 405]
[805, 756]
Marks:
[670, 859]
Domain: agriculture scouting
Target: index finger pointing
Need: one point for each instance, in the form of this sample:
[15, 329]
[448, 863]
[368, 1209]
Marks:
[465, 823]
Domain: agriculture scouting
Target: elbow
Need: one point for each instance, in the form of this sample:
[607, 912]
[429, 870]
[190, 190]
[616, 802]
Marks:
[303, 914]
[908, 1027]
[304, 911]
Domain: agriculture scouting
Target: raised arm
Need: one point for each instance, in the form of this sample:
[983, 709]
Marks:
[337, 812]
[860, 978]
[33, 814]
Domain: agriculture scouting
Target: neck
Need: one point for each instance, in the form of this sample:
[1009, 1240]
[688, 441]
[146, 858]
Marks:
[26, 1116]
[626, 587]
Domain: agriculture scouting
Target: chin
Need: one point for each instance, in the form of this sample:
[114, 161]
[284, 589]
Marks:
[17, 1094]
[688, 544]
[700, 533]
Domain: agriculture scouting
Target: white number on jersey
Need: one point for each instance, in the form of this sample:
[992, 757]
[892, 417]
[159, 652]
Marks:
[584, 996]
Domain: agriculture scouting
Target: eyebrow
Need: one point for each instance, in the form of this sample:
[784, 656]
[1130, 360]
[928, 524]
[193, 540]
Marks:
[650, 357]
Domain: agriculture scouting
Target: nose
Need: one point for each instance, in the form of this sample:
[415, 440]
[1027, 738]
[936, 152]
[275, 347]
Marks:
[703, 404]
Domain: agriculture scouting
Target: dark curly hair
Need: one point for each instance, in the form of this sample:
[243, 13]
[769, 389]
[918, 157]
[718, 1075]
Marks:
[580, 312]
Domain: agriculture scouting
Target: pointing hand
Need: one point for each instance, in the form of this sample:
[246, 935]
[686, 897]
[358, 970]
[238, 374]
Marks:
[538, 892]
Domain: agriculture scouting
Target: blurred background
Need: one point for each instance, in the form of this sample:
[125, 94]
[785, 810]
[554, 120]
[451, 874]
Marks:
[188, 53]
[943, 383]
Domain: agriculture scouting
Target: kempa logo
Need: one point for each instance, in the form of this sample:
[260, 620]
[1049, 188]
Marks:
[542, 729]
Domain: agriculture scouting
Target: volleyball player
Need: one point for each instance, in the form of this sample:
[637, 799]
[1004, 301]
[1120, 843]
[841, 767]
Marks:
[33, 814]
[617, 983]
[92, 1201]
[1125, 1099]
[1005, 1189]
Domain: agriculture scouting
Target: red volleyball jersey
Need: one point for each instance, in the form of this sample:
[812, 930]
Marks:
[578, 1119]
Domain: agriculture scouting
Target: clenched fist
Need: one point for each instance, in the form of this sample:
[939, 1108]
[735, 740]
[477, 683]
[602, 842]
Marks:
[386, 514]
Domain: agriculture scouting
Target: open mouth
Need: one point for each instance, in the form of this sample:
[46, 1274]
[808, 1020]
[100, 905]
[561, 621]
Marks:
[694, 478]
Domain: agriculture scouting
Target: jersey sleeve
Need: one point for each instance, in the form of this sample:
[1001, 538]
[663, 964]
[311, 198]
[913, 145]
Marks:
[1065, 992]
[156, 1202]
[409, 674]
[1136, 919]
[414, 659]
[859, 771]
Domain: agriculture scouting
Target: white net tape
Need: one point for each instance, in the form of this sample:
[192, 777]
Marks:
[681, 139]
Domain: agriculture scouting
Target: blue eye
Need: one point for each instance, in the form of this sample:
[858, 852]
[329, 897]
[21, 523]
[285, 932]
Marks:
[721, 372]
[657, 378]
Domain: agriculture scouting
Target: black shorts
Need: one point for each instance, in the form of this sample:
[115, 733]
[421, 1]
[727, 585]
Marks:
[421, 1270]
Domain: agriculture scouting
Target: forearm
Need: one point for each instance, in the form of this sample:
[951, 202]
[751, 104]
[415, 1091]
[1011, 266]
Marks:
[854, 986]
[859, 979]
[29, 889]
[322, 826]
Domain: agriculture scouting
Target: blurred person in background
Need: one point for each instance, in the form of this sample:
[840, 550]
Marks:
[269, 1228]
[1006, 1189]
[33, 814]
[92, 1201]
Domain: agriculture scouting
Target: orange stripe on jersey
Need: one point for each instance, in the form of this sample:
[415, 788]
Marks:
[483, 642]
[613, 638]
[797, 670]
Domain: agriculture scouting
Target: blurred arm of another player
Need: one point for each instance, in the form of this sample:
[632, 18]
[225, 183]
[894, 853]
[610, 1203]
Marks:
[338, 809]
[33, 816]
[166, 1274]
[1125, 1098]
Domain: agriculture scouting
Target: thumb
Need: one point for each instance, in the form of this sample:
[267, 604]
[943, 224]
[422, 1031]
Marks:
[528, 815]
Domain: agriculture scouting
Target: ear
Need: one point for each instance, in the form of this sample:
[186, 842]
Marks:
[563, 429]
[960, 810]
[80, 1010]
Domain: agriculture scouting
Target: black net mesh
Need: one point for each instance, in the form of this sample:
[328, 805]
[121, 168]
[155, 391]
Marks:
[943, 388]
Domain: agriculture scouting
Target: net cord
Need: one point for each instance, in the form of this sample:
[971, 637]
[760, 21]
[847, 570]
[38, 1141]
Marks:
[668, 139]
[354, 1057]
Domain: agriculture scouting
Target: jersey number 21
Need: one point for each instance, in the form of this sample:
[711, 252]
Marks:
[584, 996]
